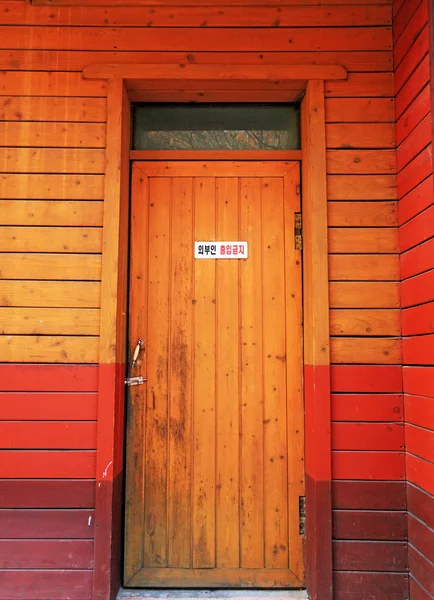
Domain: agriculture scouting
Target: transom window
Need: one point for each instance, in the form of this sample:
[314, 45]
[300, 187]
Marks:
[216, 126]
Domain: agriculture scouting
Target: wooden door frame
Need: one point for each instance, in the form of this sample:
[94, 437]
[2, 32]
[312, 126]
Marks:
[113, 352]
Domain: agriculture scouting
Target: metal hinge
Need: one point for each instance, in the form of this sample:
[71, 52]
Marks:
[129, 381]
[302, 514]
[298, 233]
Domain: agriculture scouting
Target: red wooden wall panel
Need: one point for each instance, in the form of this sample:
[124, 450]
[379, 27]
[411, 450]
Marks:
[416, 205]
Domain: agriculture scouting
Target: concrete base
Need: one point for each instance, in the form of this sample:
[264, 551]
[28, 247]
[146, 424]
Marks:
[159, 594]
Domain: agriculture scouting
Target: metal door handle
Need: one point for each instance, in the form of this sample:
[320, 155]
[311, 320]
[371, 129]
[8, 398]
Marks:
[137, 351]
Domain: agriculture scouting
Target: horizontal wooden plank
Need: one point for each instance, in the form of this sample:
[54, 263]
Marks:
[410, 33]
[421, 504]
[200, 16]
[418, 380]
[51, 266]
[49, 321]
[362, 214]
[361, 378]
[362, 85]
[24, 108]
[380, 351]
[415, 201]
[368, 436]
[418, 350]
[47, 348]
[63, 135]
[369, 525]
[46, 554]
[418, 289]
[51, 239]
[413, 57]
[185, 38]
[360, 135]
[420, 440]
[359, 110]
[416, 171]
[414, 143]
[418, 230]
[51, 212]
[369, 495]
[216, 168]
[414, 114]
[140, 93]
[361, 187]
[48, 406]
[363, 585]
[364, 267]
[417, 591]
[364, 295]
[419, 410]
[367, 407]
[412, 88]
[48, 378]
[45, 493]
[418, 259]
[370, 556]
[368, 465]
[420, 472]
[44, 187]
[45, 464]
[51, 160]
[369, 322]
[403, 16]
[48, 83]
[373, 240]
[68, 435]
[361, 162]
[72, 294]
[422, 569]
[180, 3]
[46, 585]
[58, 60]
[191, 76]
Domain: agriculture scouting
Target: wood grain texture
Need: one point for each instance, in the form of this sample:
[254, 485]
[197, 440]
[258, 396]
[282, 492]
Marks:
[50, 160]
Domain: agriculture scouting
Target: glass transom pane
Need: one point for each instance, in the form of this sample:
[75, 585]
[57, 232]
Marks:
[216, 127]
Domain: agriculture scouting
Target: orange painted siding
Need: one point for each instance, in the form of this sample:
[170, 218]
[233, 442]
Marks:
[416, 235]
[52, 138]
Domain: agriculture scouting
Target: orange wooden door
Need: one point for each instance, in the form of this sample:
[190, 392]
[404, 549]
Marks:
[215, 435]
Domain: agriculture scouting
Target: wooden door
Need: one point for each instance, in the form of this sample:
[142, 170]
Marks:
[215, 435]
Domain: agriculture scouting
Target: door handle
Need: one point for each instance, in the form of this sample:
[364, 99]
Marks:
[137, 352]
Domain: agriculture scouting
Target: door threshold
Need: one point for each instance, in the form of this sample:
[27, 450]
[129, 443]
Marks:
[219, 594]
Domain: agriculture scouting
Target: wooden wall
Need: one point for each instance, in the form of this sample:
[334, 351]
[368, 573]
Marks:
[416, 239]
[52, 134]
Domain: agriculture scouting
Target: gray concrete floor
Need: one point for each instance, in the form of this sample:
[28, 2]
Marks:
[159, 594]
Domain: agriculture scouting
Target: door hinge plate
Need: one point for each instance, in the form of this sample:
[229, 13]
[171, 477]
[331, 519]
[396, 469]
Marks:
[130, 381]
[298, 233]
[302, 514]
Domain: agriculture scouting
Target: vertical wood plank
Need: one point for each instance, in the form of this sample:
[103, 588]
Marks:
[155, 535]
[294, 372]
[204, 421]
[251, 482]
[274, 361]
[180, 398]
[316, 344]
[135, 475]
[227, 373]
[112, 353]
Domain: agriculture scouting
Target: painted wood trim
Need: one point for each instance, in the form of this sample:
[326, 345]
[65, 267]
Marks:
[112, 338]
[316, 345]
[207, 155]
[223, 73]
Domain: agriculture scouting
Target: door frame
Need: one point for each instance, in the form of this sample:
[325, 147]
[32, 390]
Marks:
[113, 333]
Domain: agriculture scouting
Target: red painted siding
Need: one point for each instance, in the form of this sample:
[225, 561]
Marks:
[416, 236]
[47, 485]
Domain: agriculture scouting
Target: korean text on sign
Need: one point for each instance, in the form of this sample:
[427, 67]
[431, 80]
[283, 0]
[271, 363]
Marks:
[220, 250]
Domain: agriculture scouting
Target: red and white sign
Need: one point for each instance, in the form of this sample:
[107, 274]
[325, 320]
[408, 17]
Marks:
[220, 250]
